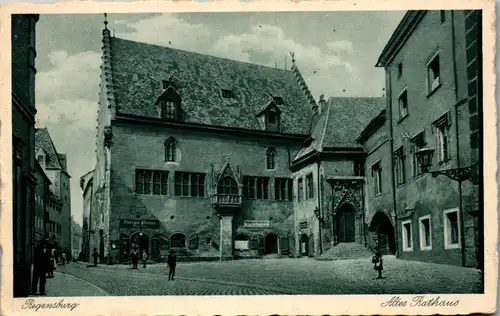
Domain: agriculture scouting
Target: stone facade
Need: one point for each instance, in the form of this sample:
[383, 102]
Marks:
[426, 88]
[42, 201]
[23, 130]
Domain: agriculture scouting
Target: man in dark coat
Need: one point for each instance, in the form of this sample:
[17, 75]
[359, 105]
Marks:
[171, 261]
[95, 255]
[41, 263]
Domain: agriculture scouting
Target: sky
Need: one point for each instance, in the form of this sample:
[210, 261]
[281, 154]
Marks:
[336, 53]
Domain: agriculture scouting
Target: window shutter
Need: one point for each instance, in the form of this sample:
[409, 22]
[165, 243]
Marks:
[254, 243]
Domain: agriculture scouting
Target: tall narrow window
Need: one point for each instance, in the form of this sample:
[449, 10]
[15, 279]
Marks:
[400, 70]
[400, 165]
[451, 229]
[170, 150]
[433, 73]
[442, 126]
[283, 189]
[271, 158]
[418, 142]
[403, 104]
[442, 13]
[300, 193]
[425, 233]
[189, 184]
[309, 187]
[407, 236]
[377, 178]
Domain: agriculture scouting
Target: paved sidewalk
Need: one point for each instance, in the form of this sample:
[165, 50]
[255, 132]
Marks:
[67, 285]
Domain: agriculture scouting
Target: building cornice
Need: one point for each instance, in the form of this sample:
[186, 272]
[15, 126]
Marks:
[121, 118]
[403, 31]
[27, 111]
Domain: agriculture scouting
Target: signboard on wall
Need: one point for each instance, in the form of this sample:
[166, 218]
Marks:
[257, 224]
[140, 223]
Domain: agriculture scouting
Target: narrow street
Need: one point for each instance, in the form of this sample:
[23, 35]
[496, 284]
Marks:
[266, 277]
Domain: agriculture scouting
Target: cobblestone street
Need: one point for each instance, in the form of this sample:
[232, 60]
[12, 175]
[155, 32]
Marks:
[276, 276]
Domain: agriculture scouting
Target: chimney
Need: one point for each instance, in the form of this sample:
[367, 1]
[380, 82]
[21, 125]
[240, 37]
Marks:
[322, 103]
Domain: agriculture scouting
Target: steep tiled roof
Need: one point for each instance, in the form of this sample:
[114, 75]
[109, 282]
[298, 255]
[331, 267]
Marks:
[44, 141]
[348, 118]
[341, 123]
[138, 70]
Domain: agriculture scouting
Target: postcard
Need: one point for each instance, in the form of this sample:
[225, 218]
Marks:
[248, 158]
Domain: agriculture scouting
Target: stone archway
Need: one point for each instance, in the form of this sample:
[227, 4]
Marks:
[382, 231]
[345, 223]
[271, 242]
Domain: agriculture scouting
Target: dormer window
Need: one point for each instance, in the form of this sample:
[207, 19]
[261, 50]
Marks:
[278, 100]
[169, 104]
[227, 94]
[272, 122]
[165, 84]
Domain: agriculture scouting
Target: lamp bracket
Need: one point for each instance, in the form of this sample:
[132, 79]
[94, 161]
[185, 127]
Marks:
[458, 174]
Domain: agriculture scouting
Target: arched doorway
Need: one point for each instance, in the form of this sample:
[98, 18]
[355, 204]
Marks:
[304, 245]
[160, 246]
[271, 243]
[140, 241]
[346, 224]
[383, 231]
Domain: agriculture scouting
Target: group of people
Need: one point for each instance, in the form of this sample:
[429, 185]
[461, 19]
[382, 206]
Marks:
[44, 263]
[171, 261]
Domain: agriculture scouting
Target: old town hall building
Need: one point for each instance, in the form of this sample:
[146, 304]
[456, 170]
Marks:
[215, 158]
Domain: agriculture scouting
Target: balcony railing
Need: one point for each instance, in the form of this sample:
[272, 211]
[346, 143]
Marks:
[223, 199]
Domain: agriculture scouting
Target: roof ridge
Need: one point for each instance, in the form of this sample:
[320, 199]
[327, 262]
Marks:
[107, 69]
[302, 83]
[205, 55]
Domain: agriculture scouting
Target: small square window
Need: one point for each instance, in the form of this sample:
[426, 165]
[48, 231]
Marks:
[407, 236]
[403, 104]
[227, 94]
[433, 74]
[278, 100]
[425, 233]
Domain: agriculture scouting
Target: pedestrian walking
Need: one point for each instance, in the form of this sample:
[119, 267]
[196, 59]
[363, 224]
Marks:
[135, 258]
[378, 264]
[40, 266]
[51, 260]
[94, 255]
[144, 258]
[171, 261]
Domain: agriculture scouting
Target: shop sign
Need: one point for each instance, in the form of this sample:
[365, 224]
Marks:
[257, 224]
[303, 225]
[140, 223]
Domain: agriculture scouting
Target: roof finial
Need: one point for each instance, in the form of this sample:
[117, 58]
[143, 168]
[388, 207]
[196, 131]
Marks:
[293, 57]
[105, 21]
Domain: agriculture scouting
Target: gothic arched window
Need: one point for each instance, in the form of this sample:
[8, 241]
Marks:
[170, 150]
[271, 158]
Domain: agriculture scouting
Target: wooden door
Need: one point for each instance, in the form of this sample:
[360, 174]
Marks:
[346, 225]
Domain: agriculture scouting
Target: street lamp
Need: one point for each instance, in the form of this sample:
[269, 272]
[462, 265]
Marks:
[424, 157]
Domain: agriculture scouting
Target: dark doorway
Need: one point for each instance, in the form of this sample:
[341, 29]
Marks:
[124, 247]
[271, 243]
[141, 242]
[384, 231]
[304, 245]
[345, 224]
